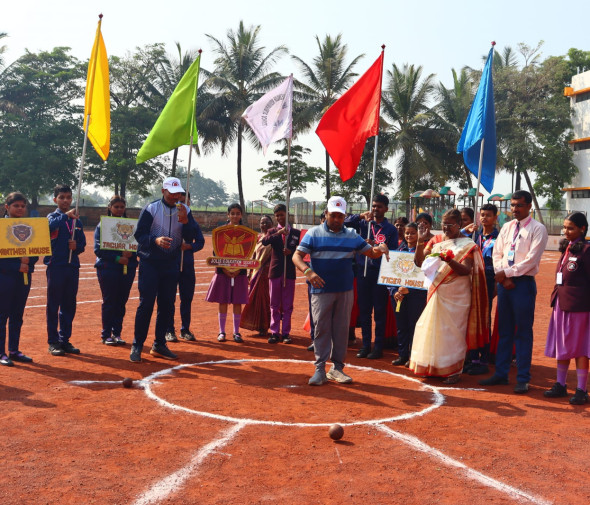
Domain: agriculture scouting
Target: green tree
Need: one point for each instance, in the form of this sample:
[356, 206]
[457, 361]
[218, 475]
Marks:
[242, 75]
[134, 110]
[41, 144]
[359, 187]
[204, 192]
[275, 173]
[414, 136]
[326, 79]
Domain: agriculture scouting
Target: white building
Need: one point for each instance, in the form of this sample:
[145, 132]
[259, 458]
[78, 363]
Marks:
[578, 195]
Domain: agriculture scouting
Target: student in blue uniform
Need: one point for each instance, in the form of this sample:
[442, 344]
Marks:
[162, 227]
[63, 273]
[186, 283]
[116, 272]
[15, 290]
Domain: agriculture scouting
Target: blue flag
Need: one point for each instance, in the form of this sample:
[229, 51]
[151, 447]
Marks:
[481, 124]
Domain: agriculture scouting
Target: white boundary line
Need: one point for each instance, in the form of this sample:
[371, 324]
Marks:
[417, 444]
[173, 482]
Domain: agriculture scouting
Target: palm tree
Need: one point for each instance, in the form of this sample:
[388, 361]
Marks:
[415, 136]
[241, 76]
[327, 78]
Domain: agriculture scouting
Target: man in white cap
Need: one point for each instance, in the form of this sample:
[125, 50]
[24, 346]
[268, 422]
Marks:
[162, 226]
[331, 247]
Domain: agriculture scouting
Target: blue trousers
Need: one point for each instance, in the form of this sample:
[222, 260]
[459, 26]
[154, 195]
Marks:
[516, 309]
[186, 292]
[372, 298]
[115, 288]
[157, 281]
[410, 311]
[12, 307]
[62, 288]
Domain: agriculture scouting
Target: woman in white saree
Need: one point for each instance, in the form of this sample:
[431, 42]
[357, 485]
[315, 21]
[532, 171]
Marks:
[455, 317]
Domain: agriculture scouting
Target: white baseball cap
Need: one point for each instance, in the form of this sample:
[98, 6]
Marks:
[337, 204]
[173, 185]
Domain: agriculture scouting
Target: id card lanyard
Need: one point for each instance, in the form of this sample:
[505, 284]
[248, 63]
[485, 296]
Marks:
[515, 237]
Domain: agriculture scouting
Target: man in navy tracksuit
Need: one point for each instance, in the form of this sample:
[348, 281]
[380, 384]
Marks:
[63, 273]
[186, 284]
[162, 226]
[373, 297]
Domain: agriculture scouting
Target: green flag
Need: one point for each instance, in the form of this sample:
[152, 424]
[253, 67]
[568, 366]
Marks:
[176, 122]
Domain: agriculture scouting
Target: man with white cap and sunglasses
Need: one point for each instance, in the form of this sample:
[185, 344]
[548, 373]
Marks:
[331, 247]
[162, 226]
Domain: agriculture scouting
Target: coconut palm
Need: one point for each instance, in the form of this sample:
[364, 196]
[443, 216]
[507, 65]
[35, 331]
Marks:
[326, 79]
[415, 136]
[241, 76]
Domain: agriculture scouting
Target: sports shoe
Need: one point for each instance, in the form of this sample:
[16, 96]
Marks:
[162, 351]
[69, 348]
[338, 376]
[171, 337]
[521, 388]
[318, 378]
[118, 340]
[6, 361]
[557, 391]
[109, 341]
[19, 356]
[56, 350]
[310, 347]
[375, 354]
[273, 339]
[286, 339]
[238, 338]
[363, 353]
[135, 355]
[187, 335]
[580, 397]
[221, 337]
[399, 361]
[494, 380]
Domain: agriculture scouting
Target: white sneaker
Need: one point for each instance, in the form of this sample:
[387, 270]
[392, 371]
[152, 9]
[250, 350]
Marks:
[338, 376]
[318, 379]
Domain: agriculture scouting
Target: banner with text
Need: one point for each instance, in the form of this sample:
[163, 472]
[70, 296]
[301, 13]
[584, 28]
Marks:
[401, 270]
[117, 233]
[28, 236]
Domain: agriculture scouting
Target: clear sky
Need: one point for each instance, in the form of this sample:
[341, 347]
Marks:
[439, 35]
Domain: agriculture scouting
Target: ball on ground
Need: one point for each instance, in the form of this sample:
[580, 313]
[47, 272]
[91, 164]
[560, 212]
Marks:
[127, 382]
[336, 432]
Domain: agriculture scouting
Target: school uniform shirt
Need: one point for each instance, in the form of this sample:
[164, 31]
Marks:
[277, 260]
[486, 245]
[574, 291]
[383, 232]
[60, 232]
[158, 219]
[529, 245]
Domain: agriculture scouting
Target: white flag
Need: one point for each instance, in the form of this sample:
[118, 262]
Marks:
[271, 117]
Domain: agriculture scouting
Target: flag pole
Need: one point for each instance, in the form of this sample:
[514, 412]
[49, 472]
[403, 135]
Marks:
[374, 162]
[481, 148]
[287, 205]
[81, 169]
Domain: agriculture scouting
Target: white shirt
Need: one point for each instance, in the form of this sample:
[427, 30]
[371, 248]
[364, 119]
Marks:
[529, 247]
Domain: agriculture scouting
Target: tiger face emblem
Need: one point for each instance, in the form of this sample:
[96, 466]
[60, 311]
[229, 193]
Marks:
[125, 231]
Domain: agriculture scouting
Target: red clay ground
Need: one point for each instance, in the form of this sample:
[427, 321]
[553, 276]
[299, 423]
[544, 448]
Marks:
[264, 436]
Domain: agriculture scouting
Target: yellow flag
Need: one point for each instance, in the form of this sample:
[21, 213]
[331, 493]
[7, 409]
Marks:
[97, 102]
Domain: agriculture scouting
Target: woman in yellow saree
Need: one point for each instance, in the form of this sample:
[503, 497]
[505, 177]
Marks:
[455, 317]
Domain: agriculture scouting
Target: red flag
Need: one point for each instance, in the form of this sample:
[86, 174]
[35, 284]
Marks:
[351, 120]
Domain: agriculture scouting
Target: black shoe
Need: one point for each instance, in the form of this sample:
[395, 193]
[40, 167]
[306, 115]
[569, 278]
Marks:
[162, 351]
[19, 356]
[521, 388]
[135, 355]
[171, 336]
[273, 339]
[56, 350]
[363, 353]
[69, 348]
[187, 335]
[478, 369]
[310, 347]
[557, 391]
[375, 354]
[5, 360]
[494, 380]
[286, 339]
[238, 338]
[580, 397]
[401, 361]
